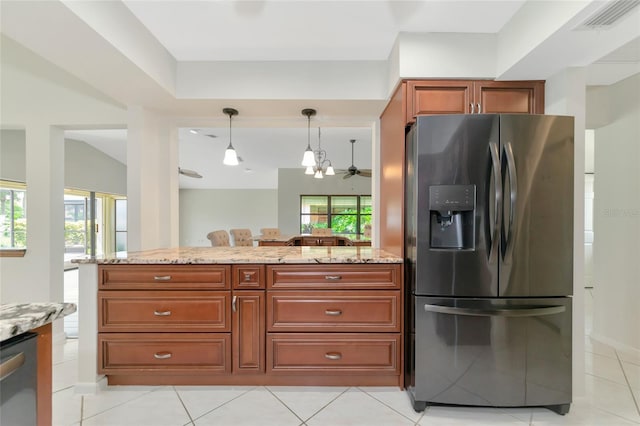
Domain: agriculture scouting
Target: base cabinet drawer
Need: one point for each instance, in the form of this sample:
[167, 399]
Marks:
[164, 277]
[291, 353]
[348, 311]
[164, 352]
[125, 311]
[352, 276]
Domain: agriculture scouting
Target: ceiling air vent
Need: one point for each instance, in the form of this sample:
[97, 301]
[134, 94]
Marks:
[610, 14]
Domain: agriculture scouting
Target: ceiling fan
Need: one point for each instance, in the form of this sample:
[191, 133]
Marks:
[189, 173]
[353, 170]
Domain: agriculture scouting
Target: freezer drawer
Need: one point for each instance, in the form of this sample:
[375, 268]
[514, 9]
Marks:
[491, 352]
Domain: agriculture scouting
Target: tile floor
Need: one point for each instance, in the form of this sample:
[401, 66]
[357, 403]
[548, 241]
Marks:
[612, 398]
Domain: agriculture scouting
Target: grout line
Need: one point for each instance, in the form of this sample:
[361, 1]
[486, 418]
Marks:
[633, 396]
[223, 404]
[282, 402]
[387, 405]
[326, 405]
[183, 404]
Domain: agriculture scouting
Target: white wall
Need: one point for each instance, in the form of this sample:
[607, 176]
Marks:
[12, 155]
[206, 210]
[617, 219]
[293, 182]
[85, 167]
[42, 99]
[565, 94]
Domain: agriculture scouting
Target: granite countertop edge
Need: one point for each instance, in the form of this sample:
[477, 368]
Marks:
[248, 255]
[18, 318]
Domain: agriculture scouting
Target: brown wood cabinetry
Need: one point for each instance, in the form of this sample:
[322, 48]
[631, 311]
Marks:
[327, 324]
[314, 310]
[426, 97]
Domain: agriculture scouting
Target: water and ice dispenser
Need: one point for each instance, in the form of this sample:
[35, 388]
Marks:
[452, 209]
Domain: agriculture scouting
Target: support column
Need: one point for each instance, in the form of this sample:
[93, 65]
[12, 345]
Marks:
[565, 94]
[43, 273]
[152, 181]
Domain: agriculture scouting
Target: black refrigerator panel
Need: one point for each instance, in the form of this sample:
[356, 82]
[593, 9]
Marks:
[537, 219]
[492, 352]
[451, 193]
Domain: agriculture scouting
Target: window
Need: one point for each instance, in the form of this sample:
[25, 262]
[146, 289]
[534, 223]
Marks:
[121, 224]
[13, 215]
[344, 214]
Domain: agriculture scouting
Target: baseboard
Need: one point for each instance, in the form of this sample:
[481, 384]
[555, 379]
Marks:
[91, 388]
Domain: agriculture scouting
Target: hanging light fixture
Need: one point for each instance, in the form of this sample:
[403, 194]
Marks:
[230, 156]
[321, 164]
[308, 160]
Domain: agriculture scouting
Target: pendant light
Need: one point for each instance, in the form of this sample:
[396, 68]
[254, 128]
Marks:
[308, 160]
[230, 156]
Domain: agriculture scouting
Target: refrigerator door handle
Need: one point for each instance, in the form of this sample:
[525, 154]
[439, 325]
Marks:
[497, 210]
[513, 198]
[525, 311]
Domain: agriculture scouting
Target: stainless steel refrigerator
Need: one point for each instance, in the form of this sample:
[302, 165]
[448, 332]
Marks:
[489, 260]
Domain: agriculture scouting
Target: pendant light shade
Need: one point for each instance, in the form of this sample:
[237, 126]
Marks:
[330, 171]
[230, 155]
[308, 160]
[309, 170]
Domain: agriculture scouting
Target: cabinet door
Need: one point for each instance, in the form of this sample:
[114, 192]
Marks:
[513, 97]
[248, 335]
[438, 97]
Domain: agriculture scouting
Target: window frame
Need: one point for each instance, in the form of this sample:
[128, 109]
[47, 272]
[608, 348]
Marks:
[329, 214]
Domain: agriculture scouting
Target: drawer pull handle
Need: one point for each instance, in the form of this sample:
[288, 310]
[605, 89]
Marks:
[247, 276]
[162, 277]
[335, 356]
[162, 355]
[333, 312]
[234, 308]
[162, 313]
[333, 277]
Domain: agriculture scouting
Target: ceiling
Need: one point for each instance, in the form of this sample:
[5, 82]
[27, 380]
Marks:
[121, 48]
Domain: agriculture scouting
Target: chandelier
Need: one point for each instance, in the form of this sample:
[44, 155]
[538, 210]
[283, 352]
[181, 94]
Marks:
[315, 161]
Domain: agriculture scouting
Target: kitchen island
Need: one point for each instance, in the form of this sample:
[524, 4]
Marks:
[242, 316]
[16, 319]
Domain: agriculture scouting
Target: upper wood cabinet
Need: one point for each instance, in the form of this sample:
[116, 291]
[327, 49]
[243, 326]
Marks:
[426, 97]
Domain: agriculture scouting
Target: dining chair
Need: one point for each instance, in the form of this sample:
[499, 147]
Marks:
[242, 237]
[219, 238]
[321, 231]
[270, 232]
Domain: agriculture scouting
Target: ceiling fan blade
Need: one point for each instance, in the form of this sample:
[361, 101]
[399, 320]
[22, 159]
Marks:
[347, 176]
[364, 173]
[189, 173]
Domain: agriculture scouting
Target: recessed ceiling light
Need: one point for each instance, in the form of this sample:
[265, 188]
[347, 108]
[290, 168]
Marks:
[193, 131]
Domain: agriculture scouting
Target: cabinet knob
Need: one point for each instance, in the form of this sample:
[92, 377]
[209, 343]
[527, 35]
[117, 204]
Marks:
[335, 356]
[162, 313]
[333, 312]
[162, 355]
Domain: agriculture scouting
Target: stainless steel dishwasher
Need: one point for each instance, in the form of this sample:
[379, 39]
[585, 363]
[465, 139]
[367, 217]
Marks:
[18, 380]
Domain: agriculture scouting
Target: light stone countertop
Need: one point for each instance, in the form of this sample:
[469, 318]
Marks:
[17, 318]
[239, 255]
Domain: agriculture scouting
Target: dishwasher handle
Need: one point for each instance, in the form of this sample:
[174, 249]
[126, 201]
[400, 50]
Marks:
[11, 365]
